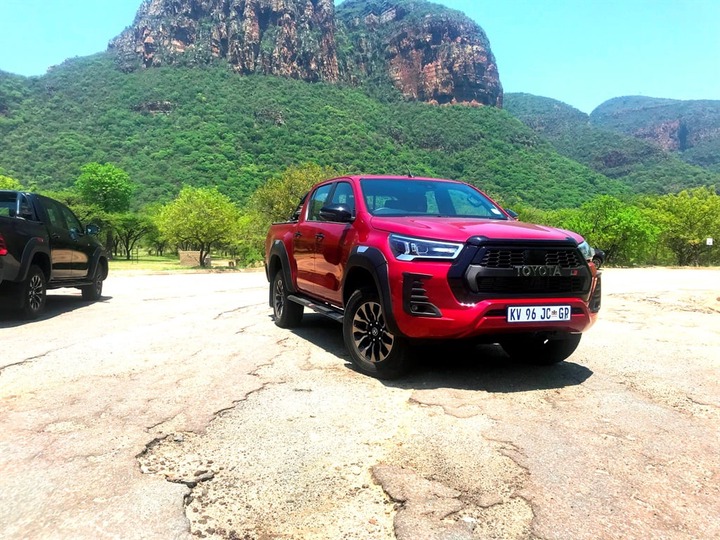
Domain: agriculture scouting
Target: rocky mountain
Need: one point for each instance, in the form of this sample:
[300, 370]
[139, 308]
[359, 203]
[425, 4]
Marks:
[618, 146]
[689, 128]
[427, 52]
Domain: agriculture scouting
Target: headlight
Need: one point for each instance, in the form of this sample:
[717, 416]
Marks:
[586, 250]
[408, 249]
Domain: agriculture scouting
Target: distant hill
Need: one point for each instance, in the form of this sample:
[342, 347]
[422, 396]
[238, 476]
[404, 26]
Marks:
[210, 126]
[229, 93]
[689, 128]
[641, 164]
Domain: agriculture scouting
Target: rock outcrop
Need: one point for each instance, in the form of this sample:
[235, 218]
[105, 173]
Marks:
[290, 38]
[433, 53]
[428, 52]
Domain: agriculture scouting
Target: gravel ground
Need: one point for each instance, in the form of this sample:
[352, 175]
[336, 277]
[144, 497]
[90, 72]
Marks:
[176, 409]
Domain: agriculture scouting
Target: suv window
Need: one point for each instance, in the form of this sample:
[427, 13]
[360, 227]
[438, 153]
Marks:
[72, 222]
[55, 214]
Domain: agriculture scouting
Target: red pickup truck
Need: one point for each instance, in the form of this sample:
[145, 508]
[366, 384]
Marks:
[399, 260]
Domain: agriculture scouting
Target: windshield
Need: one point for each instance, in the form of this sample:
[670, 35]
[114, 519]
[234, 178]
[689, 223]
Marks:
[387, 197]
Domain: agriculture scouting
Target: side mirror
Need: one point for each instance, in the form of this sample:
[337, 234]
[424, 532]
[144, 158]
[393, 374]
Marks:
[336, 212]
[92, 229]
[511, 213]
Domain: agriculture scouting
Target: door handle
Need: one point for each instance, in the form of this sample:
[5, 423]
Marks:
[319, 236]
[298, 234]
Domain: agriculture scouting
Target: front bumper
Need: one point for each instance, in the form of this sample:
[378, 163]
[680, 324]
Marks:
[438, 300]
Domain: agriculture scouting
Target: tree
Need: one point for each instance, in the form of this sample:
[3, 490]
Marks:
[106, 185]
[199, 217]
[129, 229]
[278, 198]
[625, 232]
[689, 218]
[9, 183]
[276, 201]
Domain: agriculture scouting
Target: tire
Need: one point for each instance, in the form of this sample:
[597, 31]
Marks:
[373, 349]
[539, 349]
[597, 261]
[94, 292]
[33, 293]
[287, 313]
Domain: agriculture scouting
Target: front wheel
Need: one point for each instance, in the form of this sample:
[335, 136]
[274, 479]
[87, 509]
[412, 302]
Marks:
[287, 313]
[541, 349]
[33, 293]
[93, 291]
[373, 349]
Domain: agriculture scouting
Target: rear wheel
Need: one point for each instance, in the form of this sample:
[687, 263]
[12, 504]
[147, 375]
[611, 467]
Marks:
[287, 313]
[33, 293]
[541, 349]
[373, 349]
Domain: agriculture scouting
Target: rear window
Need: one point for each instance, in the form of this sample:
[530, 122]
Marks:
[8, 204]
[427, 198]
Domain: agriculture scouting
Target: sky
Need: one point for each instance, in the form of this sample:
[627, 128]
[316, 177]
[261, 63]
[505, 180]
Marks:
[581, 52]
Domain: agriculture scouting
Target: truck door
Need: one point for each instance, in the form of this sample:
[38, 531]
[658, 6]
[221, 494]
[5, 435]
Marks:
[332, 247]
[305, 239]
[62, 244]
[83, 247]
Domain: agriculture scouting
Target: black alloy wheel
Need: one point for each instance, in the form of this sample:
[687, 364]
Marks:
[374, 350]
[287, 313]
[33, 293]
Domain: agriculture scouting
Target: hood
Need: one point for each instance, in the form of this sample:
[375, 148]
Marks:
[459, 229]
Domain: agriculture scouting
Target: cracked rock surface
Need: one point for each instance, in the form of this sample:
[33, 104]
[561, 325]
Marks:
[185, 413]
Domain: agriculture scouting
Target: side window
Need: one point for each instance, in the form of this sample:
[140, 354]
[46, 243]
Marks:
[72, 222]
[55, 215]
[344, 195]
[317, 201]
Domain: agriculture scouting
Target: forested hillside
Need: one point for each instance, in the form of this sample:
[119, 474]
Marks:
[691, 128]
[169, 127]
[643, 165]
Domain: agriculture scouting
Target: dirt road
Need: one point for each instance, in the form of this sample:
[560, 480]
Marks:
[176, 409]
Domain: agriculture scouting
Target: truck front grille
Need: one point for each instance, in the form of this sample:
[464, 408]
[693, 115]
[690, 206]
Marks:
[512, 257]
[491, 269]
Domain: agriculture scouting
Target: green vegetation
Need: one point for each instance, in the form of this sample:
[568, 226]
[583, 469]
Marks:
[170, 127]
[9, 183]
[640, 165]
[204, 158]
[199, 218]
[693, 124]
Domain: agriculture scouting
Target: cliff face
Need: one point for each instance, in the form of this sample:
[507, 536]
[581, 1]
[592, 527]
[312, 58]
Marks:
[428, 52]
[433, 54]
[290, 38]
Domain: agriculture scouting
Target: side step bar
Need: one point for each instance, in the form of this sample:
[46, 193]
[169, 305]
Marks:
[322, 309]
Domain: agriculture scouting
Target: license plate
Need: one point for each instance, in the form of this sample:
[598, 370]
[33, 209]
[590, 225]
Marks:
[525, 314]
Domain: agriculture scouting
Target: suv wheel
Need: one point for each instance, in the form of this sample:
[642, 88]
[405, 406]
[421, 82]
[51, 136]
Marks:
[373, 349]
[33, 293]
[540, 349]
[94, 291]
[287, 313]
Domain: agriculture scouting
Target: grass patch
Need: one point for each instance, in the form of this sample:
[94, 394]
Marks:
[150, 263]
[165, 263]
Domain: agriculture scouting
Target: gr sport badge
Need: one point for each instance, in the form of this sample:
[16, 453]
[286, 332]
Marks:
[530, 270]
